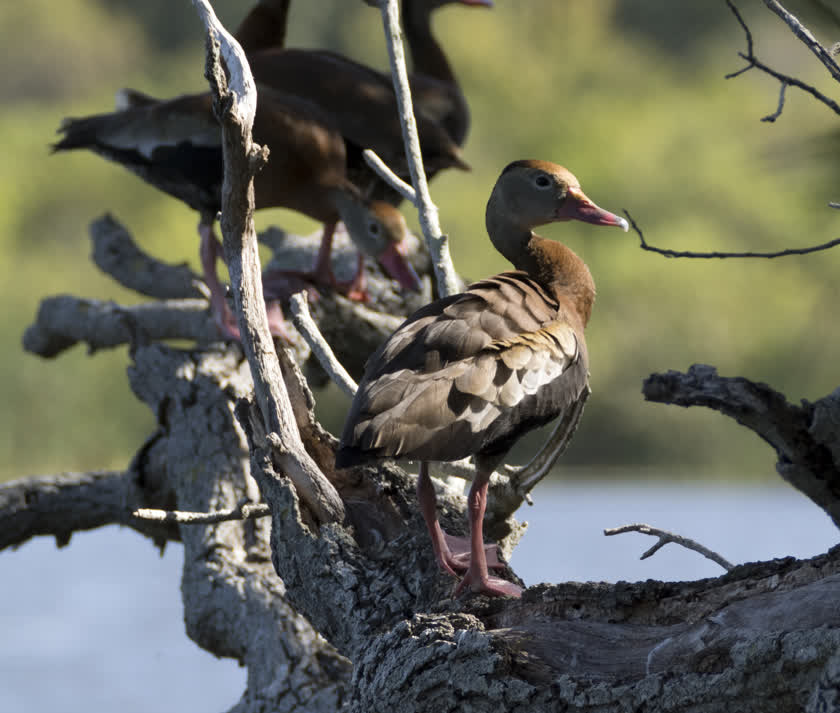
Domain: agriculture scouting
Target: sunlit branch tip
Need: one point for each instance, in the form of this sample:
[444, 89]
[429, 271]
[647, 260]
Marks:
[665, 537]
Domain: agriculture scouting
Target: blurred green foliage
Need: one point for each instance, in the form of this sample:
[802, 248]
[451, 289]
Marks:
[629, 94]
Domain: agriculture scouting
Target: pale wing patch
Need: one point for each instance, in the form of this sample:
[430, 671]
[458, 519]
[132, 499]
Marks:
[512, 369]
[146, 133]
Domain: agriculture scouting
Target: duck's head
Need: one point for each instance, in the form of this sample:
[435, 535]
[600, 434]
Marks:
[532, 193]
[379, 230]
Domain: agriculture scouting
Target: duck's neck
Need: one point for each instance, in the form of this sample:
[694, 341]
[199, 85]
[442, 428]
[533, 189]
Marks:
[553, 265]
[426, 53]
[265, 26]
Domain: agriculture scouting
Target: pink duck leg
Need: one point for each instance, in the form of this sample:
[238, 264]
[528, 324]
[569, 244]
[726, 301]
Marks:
[452, 553]
[477, 578]
[210, 250]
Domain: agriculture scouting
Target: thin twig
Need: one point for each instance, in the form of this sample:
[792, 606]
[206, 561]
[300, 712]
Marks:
[770, 118]
[391, 178]
[244, 510]
[807, 37]
[754, 62]
[665, 537]
[722, 255]
[429, 221]
[320, 347]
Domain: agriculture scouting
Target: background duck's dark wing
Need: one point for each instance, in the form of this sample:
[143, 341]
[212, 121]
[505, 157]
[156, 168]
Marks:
[174, 145]
[468, 374]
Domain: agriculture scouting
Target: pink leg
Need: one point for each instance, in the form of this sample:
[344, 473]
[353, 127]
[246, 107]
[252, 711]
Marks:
[428, 508]
[477, 579]
[209, 251]
[282, 283]
[356, 289]
[323, 264]
[452, 553]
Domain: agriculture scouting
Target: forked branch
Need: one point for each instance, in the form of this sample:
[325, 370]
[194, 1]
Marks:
[786, 80]
[665, 537]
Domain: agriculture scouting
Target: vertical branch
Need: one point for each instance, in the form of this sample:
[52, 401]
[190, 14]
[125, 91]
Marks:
[237, 102]
[429, 221]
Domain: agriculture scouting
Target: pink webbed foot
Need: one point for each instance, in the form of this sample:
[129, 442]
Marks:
[458, 549]
[491, 586]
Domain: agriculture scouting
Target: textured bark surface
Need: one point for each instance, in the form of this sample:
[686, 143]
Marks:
[804, 437]
[234, 604]
[764, 637]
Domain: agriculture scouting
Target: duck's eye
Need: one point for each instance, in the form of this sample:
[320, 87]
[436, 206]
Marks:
[374, 228]
[542, 181]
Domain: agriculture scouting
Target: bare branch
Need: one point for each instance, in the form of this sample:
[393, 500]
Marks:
[665, 537]
[804, 437]
[776, 114]
[429, 221]
[237, 100]
[391, 178]
[64, 321]
[807, 38]
[320, 348]
[60, 505]
[666, 252]
[754, 62]
[243, 510]
[117, 254]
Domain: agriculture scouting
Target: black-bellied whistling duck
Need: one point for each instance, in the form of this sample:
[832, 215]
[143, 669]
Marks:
[471, 373]
[434, 88]
[436, 93]
[176, 146]
[361, 106]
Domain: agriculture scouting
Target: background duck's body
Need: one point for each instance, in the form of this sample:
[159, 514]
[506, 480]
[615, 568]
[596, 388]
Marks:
[175, 145]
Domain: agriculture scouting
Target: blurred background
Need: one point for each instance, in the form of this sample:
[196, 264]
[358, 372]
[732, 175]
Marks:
[630, 94]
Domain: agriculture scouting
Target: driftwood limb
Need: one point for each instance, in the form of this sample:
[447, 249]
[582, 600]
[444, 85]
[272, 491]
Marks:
[665, 537]
[804, 437]
[236, 97]
[234, 603]
[117, 255]
[391, 178]
[64, 321]
[60, 505]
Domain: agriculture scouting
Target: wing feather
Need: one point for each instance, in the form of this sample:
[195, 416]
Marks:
[468, 374]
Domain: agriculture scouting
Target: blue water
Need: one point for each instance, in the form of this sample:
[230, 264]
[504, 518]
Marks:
[98, 626]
